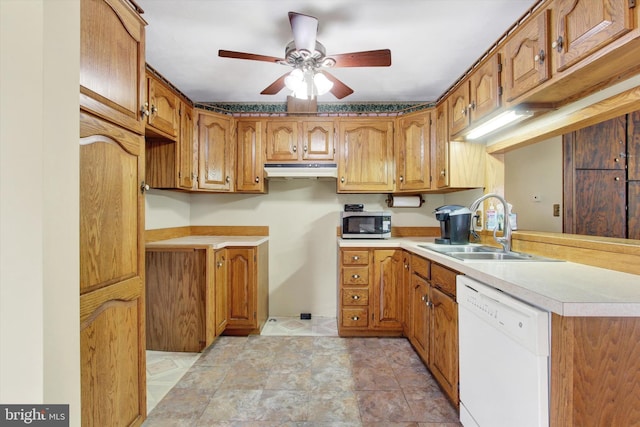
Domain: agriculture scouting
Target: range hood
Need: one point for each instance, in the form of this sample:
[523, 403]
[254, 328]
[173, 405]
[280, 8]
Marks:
[300, 170]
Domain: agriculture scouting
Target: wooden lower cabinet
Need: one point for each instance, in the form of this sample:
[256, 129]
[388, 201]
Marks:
[370, 292]
[248, 299]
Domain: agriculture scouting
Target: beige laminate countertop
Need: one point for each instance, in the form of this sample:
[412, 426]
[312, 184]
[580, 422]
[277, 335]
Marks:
[215, 242]
[564, 288]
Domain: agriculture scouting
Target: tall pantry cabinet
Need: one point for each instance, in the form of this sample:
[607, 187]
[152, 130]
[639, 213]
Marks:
[112, 316]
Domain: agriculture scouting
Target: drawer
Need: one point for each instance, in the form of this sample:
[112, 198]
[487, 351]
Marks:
[421, 266]
[355, 275]
[355, 296]
[355, 257]
[355, 317]
[444, 279]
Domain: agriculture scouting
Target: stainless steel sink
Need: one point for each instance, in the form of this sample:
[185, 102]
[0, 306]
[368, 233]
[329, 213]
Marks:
[482, 253]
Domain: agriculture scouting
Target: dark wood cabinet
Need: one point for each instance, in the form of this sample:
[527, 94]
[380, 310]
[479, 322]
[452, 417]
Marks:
[601, 179]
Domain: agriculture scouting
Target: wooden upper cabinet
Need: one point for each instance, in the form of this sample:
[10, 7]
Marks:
[300, 140]
[459, 101]
[250, 156]
[413, 152]
[112, 62]
[318, 140]
[187, 149]
[441, 170]
[215, 152]
[365, 156]
[282, 140]
[585, 26]
[526, 57]
[485, 89]
[162, 109]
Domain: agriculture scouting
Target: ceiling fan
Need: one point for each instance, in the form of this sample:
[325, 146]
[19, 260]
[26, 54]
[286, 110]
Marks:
[309, 60]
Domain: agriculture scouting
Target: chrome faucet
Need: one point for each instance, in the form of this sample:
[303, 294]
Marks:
[505, 240]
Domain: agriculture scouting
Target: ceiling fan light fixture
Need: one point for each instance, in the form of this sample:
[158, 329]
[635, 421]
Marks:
[295, 80]
[322, 83]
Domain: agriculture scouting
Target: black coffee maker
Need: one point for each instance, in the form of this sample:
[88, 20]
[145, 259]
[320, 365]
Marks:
[455, 223]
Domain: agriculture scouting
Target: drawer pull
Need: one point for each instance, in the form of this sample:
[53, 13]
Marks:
[356, 297]
[355, 257]
[354, 318]
[355, 276]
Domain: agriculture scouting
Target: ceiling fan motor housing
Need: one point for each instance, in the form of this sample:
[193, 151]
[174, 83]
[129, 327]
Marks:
[306, 60]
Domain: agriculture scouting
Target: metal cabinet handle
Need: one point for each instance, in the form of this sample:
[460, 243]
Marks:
[305, 148]
[443, 172]
[463, 111]
[228, 179]
[424, 298]
[144, 110]
[617, 178]
[295, 149]
[257, 179]
[342, 179]
[355, 276]
[355, 318]
[355, 297]
[401, 178]
[539, 58]
[355, 257]
[472, 106]
[557, 44]
[154, 109]
[219, 264]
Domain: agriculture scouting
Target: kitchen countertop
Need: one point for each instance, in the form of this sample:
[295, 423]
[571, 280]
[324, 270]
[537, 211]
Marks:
[215, 242]
[565, 288]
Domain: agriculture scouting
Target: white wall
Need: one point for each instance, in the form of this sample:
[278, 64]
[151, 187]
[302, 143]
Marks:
[303, 216]
[39, 203]
[535, 170]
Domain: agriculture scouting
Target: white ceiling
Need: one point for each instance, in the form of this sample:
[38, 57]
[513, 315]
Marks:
[432, 43]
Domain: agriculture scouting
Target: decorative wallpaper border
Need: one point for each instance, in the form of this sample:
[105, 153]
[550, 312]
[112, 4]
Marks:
[325, 109]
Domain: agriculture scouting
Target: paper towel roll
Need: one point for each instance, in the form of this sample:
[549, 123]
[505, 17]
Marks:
[405, 201]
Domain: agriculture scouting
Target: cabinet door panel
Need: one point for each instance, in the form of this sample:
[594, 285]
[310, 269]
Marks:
[187, 149]
[250, 173]
[215, 153]
[387, 289]
[485, 89]
[442, 146]
[588, 25]
[318, 140]
[163, 108]
[444, 342]
[601, 146]
[633, 146]
[112, 76]
[366, 156]
[522, 70]
[420, 314]
[413, 148]
[459, 109]
[221, 291]
[282, 140]
[241, 279]
[601, 212]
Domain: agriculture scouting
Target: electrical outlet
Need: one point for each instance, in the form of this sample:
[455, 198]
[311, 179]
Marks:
[556, 209]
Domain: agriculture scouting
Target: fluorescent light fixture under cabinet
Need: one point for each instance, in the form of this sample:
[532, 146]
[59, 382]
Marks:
[509, 117]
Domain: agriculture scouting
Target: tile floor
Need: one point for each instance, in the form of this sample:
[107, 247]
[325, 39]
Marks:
[303, 378]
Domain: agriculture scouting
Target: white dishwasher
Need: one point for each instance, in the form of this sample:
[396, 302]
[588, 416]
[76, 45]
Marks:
[504, 358]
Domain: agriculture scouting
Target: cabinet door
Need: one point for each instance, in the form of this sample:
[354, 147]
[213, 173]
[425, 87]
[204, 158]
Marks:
[282, 140]
[215, 152]
[413, 149]
[420, 314]
[442, 147]
[443, 351]
[485, 89]
[241, 277]
[221, 291]
[112, 312]
[526, 62]
[601, 212]
[250, 157]
[585, 26]
[388, 272]
[407, 291]
[163, 106]
[318, 140]
[459, 101]
[365, 161]
[602, 146]
[112, 64]
[187, 149]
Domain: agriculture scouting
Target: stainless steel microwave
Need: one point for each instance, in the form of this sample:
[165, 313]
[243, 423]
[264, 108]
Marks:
[365, 225]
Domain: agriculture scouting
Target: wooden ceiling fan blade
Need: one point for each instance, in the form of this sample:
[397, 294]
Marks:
[276, 86]
[369, 58]
[339, 89]
[250, 56]
[305, 30]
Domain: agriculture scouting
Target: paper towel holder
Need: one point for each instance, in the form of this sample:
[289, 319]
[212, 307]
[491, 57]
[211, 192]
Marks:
[414, 201]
